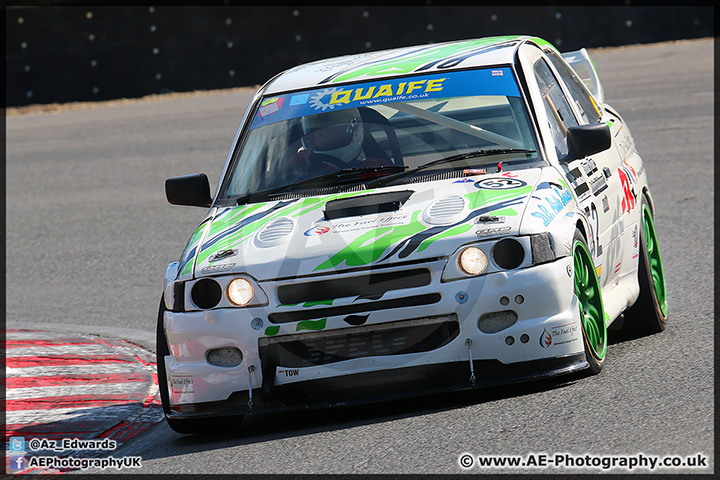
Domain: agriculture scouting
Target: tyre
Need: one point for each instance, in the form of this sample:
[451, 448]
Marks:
[648, 314]
[190, 426]
[592, 313]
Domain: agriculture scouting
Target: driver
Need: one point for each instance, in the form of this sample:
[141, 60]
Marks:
[331, 141]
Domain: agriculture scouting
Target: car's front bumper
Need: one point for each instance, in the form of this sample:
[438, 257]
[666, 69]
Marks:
[545, 340]
[384, 385]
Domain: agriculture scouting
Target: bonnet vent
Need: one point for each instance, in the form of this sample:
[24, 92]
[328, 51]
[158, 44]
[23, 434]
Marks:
[275, 232]
[445, 211]
[366, 204]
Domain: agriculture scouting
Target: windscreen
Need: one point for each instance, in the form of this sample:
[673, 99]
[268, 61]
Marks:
[382, 127]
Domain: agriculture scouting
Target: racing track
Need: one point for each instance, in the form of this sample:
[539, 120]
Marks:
[89, 234]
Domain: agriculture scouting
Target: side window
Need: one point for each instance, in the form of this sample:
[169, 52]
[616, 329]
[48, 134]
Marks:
[583, 99]
[558, 109]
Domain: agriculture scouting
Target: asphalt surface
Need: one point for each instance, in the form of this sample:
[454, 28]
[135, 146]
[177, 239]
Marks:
[89, 234]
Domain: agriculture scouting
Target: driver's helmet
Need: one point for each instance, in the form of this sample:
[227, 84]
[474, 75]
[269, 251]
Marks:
[338, 133]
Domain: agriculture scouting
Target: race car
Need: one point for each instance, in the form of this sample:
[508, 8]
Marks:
[432, 218]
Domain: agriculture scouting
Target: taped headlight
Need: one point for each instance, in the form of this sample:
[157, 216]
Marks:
[543, 249]
[240, 292]
[508, 253]
[206, 293]
[472, 261]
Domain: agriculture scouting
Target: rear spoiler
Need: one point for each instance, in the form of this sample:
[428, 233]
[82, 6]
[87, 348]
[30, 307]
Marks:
[580, 61]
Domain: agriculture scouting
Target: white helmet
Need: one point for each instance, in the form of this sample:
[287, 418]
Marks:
[338, 133]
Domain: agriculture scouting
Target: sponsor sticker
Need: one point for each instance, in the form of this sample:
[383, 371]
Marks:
[490, 219]
[498, 81]
[598, 184]
[181, 383]
[578, 182]
[317, 230]
[384, 90]
[605, 204]
[552, 204]
[565, 333]
[487, 232]
[626, 180]
[498, 183]
[589, 167]
[559, 335]
[299, 99]
[546, 339]
[391, 220]
[344, 227]
[270, 106]
[287, 372]
[635, 233]
[219, 268]
[223, 254]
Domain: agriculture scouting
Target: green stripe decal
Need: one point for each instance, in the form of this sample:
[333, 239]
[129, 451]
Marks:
[191, 249]
[423, 56]
[274, 330]
[318, 302]
[295, 209]
[311, 325]
[460, 229]
[370, 246]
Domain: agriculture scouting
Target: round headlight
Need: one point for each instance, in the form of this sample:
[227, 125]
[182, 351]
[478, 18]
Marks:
[508, 253]
[473, 261]
[240, 292]
[206, 293]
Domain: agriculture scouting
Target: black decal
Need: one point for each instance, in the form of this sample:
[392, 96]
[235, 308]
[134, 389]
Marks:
[356, 320]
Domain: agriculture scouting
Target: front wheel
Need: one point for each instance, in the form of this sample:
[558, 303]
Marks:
[213, 425]
[592, 313]
[649, 313]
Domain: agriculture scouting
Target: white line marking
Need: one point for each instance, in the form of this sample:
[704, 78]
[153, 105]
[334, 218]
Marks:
[81, 350]
[91, 414]
[60, 392]
[73, 370]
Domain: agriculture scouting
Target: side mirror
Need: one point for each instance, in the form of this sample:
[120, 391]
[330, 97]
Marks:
[584, 140]
[191, 190]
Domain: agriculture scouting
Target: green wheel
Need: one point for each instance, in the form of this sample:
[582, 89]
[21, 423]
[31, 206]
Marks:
[592, 313]
[649, 313]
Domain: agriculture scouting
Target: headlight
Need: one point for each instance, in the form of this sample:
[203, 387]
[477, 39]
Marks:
[206, 293]
[543, 249]
[472, 261]
[240, 292]
[508, 253]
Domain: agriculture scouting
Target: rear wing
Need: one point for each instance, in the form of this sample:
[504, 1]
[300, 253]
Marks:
[580, 61]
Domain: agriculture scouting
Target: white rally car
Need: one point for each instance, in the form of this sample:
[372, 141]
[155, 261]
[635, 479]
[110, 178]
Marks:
[430, 218]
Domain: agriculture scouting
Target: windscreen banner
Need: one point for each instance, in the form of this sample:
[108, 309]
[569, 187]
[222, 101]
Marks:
[488, 81]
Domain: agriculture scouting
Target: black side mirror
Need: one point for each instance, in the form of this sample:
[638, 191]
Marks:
[584, 140]
[191, 190]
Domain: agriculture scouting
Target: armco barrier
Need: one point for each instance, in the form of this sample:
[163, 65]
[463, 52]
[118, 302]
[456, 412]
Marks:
[84, 53]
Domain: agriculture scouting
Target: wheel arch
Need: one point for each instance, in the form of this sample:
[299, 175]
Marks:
[648, 197]
[580, 225]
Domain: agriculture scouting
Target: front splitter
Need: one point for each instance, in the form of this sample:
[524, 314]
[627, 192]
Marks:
[386, 385]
